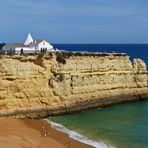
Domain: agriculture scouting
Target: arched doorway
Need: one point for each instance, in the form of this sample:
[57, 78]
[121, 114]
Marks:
[22, 51]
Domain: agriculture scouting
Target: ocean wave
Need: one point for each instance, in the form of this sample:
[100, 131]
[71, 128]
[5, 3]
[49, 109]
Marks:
[76, 136]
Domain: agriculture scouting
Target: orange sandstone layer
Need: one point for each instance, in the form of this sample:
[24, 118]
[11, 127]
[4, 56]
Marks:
[63, 82]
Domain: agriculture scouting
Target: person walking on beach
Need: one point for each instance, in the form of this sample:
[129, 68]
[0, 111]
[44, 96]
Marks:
[69, 143]
[44, 132]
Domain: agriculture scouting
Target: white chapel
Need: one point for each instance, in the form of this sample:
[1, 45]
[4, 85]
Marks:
[29, 46]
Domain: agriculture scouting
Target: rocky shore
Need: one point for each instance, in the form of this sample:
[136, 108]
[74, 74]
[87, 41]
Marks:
[33, 86]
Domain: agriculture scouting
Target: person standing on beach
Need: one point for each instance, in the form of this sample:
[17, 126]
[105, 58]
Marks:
[44, 132]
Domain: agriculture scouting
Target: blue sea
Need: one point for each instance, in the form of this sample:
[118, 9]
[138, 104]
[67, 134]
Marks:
[120, 126]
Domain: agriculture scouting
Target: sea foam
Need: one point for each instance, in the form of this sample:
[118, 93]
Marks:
[76, 136]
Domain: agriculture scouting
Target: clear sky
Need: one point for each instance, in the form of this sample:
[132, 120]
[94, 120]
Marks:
[73, 21]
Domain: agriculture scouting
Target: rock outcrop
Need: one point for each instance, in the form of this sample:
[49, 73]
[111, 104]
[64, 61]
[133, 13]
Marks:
[60, 83]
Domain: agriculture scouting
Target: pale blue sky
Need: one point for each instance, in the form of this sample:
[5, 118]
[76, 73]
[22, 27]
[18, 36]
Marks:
[72, 21]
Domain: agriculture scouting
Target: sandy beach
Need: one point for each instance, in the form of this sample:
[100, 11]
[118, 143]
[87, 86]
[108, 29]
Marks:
[18, 133]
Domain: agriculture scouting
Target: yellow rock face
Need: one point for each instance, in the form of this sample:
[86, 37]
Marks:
[38, 86]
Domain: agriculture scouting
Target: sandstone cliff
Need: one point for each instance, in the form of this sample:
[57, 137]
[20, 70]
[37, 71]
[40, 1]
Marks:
[38, 86]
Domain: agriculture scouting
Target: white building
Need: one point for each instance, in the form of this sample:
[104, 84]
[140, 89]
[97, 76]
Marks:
[30, 46]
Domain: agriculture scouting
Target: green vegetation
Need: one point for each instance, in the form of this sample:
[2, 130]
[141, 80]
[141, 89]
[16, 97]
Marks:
[50, 54]
[1, 45]
[60, 57]
[10, 53]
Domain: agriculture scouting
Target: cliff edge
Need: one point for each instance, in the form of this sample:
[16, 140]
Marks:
[66, 82]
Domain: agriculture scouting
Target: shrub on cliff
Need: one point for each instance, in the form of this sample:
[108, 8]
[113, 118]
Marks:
[2, 52]
[60, 58]
[50, 54]
[1, 45]
[11, 53]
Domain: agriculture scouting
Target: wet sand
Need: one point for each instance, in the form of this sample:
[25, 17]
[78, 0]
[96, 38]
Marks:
[18, 133]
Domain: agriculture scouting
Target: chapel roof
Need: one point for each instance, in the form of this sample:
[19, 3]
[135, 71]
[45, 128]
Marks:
[19, 45]
[29, 39]
[38, 41]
